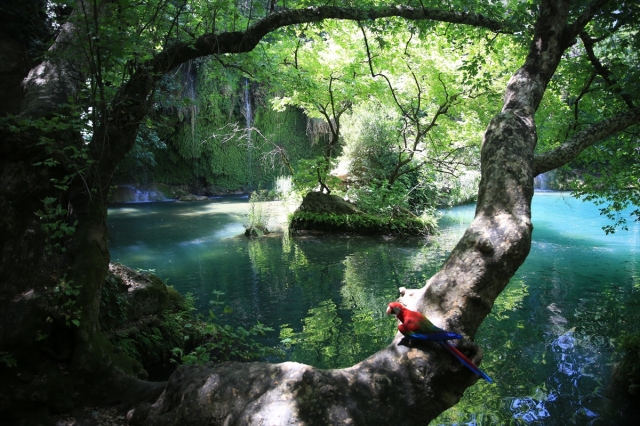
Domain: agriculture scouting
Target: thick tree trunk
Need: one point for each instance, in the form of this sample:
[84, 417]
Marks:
[60, 352]
[413, 384]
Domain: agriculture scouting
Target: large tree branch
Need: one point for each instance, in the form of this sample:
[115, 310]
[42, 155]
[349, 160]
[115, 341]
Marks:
[399, 381]
[582, 140]
[240, 42]
[132, 100]
[572, 31]
[414, 384]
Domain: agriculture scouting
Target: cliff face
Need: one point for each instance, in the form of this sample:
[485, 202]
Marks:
[220, 134]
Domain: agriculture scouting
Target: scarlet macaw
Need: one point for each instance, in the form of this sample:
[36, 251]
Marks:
[416, 326]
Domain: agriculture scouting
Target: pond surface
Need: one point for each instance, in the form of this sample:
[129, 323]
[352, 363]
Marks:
[550, 341]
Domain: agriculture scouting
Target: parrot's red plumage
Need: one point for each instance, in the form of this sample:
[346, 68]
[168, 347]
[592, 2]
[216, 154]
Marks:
[416, 326]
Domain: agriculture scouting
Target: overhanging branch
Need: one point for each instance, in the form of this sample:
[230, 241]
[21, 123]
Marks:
[583, 139]
[241, 42]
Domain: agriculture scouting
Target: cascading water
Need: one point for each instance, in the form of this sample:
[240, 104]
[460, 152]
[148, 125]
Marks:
[189, 91]
[131, 194]
[248, 125]
[541, 182]
[147, 196]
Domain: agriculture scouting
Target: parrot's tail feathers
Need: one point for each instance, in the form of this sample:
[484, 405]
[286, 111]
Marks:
[466, 361]
[436, 336]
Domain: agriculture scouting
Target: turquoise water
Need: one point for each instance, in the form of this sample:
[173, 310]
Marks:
[550, 341]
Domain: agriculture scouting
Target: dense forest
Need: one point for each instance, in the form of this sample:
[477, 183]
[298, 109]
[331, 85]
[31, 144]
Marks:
[395, 107]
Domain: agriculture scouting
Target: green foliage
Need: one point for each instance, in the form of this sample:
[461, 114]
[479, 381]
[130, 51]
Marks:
[613, 180]
[214, 145]
[142, 157]
[153, 344]
[229, 344]
[373, 147]
[225, 343]
[185, 337]
[379, 198]
[257, 220]
[581, 94]
[55, 225]
[113, 303]
[312, 172]
[149, 339]
[363, 223]
[318, 331]
[7, 359]
[628, 371]
[631, 343]
[457, 190]
[66, 162]
[63, 303]
[370, 133]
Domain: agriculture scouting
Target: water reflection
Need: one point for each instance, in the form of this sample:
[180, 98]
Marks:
[550, 341]
[530, 409]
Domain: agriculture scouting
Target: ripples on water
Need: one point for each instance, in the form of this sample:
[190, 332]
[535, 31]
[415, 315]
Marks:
[550, 341]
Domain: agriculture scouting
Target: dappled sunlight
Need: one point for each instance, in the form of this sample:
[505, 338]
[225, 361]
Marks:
[208, 208]
[122, 212]
[549, 341]
[531, 409]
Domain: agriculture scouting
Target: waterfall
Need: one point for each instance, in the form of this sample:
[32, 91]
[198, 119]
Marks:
[248, 124]
[146, 196]
[132, 194]
[247, 103]
[541, 182]
[189, 91]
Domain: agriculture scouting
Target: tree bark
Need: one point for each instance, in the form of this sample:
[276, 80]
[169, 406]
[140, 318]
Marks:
[582, 140]
[414, 384]
[58, 362]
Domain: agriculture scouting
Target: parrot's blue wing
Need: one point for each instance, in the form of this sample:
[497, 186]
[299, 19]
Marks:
[436, 336]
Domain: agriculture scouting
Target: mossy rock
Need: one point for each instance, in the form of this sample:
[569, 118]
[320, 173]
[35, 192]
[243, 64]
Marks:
[330, 213]
[319, 202]
[144, 320]
[146, 294]
[192, 197]
[170, 191]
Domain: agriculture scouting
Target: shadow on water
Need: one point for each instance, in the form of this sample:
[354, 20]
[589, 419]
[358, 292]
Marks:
[550, 341]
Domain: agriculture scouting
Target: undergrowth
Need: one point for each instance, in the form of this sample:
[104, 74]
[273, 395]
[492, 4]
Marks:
[363, 223]
[178, 335]
[222, 343]
[628, 371]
